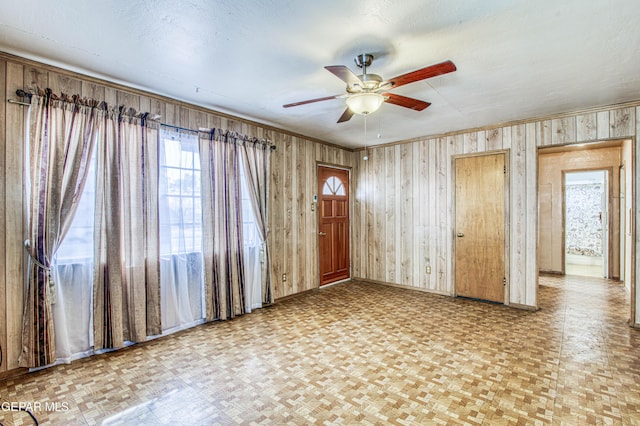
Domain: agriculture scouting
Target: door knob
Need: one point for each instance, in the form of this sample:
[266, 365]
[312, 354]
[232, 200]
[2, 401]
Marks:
[322, 234]
[460, 235]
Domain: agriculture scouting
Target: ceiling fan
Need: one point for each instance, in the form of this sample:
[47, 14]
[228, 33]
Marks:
[366, 92]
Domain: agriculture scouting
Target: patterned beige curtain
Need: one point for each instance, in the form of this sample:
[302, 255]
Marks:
[221, 225]
[127, 259]
[256, 157]
[61, 138]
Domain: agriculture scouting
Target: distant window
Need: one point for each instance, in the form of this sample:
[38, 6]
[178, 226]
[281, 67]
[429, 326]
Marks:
[180, 207]
[333, 186]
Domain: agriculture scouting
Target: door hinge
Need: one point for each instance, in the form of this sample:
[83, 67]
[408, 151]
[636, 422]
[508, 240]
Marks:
[504, 281]
[504, 169]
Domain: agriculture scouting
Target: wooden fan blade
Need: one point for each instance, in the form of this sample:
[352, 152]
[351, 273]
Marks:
[346, 116]
[345, 74]
[310, 101]
[421, 74]
[403, 101]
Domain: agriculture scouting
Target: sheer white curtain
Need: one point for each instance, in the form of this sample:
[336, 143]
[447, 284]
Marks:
[73, 274]
[253, 255]
[181, 271]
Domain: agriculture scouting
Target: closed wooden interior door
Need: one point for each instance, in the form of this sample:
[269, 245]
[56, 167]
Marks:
[333, 228]
[480, 227]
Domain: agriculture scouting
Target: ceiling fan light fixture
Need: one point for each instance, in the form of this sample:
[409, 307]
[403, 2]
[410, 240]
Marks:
[364, 103]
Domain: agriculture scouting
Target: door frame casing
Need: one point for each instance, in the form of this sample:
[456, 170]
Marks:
[608, 171]
[317, 220]
[507, 219]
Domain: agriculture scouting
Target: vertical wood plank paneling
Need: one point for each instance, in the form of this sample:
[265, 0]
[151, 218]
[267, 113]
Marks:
[213, 121]
[3, 217]
[302, 240]
[587, 128]
[15, 202]
[531, 215]
[622, 122]
[370, 215]
[420, 196]
[145, 104]
[470, 142]
[111, 96]
[517, 209]
[311, 218]
[563, 130]
[390, 210]
[494, 139]
[183, 120]
[157, 107]
[128, 99]
[449, 217]
[379, 204]
[171, 114]
[406, 220]
[356, 219]
[543, 133]
[276, 217]
[92, 90]
[60, 83]
[481, 137]
[34, 78]
[430, 205]
[442, 160]
[197, 119]
[506, 138]
[458, 144]
[603, 125]
[289, 194]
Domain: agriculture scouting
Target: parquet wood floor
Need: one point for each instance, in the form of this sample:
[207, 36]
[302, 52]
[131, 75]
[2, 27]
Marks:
[360, 353]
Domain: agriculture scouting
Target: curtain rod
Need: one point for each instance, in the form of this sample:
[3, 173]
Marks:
[24, 94]
[273, 147]
[13, 101]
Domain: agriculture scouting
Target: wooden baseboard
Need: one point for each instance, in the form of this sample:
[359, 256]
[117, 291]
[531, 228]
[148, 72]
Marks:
[407, 287]
[523, 307]
[10, 374]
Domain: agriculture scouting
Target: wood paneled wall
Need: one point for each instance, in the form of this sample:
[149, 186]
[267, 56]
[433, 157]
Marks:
[403, 218]
[293, 240]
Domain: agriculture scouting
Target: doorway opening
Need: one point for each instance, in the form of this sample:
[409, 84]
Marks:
[616, 158]
[586, 223]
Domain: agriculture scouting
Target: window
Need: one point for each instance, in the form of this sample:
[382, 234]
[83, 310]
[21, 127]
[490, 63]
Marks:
[77, 245]
[333, 186]
[180, 200]
[250, 235]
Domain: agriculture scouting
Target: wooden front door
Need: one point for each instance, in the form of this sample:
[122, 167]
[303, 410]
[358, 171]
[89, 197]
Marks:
[333, 224]
[480, 227]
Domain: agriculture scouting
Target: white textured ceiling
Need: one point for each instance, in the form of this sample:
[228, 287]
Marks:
[516, 59]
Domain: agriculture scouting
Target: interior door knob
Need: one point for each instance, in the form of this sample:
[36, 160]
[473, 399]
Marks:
[322, 234]
[460, 235]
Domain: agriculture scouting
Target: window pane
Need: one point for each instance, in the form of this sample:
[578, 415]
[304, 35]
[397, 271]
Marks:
[187, 182]
[180, 220]
[172, 153]
[173, 181]
[333, 186]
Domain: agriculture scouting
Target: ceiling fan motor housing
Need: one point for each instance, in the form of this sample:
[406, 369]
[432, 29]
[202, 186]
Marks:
[370, 82]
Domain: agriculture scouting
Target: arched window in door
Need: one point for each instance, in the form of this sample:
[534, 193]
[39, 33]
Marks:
[333, 186]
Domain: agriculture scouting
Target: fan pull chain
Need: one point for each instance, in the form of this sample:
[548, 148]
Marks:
[365, 157]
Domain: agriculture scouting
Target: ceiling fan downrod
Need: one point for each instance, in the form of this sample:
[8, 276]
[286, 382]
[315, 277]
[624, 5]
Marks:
[363, 61]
